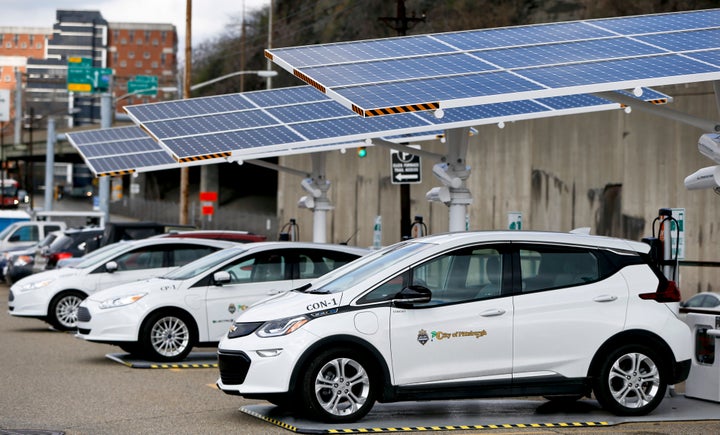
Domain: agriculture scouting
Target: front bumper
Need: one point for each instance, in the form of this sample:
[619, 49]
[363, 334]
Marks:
[32, 303]
[245, 371]
[110, 325]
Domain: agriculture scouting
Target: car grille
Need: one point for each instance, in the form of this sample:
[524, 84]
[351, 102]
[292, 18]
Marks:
[233, 366]
[83, 314]
[11, 297]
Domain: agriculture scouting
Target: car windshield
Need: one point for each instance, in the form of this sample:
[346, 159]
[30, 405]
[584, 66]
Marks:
[101, 255]
[345, 277]
[203, 264]
[10, 228]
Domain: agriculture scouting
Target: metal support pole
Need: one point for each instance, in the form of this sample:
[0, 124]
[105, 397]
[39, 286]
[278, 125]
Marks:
[50, 164]
[460, 197]
[104, 182]
[18, 106]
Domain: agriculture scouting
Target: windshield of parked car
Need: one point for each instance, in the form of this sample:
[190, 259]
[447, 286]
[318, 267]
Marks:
[102, 255]
[203, 264]
[345, 277]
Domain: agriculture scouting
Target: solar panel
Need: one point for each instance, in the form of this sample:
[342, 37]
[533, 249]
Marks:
[281, 122]
[120, 150]
[468, 68]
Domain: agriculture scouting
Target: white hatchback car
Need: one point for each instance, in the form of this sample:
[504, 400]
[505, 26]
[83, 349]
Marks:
[163, 318]
[466, 315]
[54, 295]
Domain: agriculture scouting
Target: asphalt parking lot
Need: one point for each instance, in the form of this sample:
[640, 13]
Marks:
[54, 383]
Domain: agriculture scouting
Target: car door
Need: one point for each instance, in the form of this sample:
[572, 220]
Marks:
[465, 332]
[567, 303]
[252, 278]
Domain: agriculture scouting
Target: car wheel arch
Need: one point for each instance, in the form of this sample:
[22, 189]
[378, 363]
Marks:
[380, 367]
[635, 336]
[177, 311]
[65, 292]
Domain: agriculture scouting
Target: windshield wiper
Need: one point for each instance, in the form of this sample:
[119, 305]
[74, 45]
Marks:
[302, 288]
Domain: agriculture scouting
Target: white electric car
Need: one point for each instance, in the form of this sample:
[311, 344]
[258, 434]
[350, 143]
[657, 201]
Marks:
[163, 318]
[54, 295]
[465, 315]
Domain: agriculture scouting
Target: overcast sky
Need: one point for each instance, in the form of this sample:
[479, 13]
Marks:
[209, 17]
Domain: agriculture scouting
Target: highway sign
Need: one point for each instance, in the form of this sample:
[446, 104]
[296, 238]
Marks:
[88, 79]
[405, 168]
[143, 85]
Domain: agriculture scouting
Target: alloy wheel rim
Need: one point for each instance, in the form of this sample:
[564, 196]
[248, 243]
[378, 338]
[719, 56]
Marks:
[169, 336]
[634, 380]
[342, 386]
[66, 311]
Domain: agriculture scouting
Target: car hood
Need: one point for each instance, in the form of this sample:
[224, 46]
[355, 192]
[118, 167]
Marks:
[147, 285]
[49, 275]
[289, 304]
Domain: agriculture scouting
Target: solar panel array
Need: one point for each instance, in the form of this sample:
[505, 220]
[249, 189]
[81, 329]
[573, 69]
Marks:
[299, 120]
[445, 70]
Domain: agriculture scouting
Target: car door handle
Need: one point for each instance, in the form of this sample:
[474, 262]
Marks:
[493, 312]
[605, 298]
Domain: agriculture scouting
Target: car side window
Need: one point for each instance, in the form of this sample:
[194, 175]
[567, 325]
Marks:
[312, 264]
[185, 254]
[463, 275]
[258, 268]
[544, 268]
[149, 257]
[26, 234]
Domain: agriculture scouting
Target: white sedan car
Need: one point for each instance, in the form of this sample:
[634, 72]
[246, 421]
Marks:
[163, 318]
[55, 295]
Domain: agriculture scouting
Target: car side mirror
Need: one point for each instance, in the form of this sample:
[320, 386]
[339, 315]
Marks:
[220, 278]
[412, 295]
[111, 266]
[14, 238]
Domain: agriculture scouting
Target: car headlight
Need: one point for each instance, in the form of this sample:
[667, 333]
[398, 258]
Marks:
[277, 328]
[34, 285]
[121, 301]
[241, 329]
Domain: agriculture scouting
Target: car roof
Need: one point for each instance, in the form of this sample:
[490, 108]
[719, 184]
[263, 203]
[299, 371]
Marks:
[561, 238]
[262, 246]
[165, 241]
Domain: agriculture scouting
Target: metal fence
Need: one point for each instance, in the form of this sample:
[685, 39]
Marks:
[224, 218]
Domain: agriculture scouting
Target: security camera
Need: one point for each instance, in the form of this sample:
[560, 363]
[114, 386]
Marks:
[705, 178]
[441, 171]
[438, 194]
[307, 202]
[309, 185]
[709, 146]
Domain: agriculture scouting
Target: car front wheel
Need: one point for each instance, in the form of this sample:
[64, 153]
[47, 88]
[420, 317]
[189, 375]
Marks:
[167, 337]
[62, 313]
[338, 386]
[631, 381]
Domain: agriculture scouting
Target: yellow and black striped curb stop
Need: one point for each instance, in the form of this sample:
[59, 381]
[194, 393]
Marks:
[198, 360]
[318, 429]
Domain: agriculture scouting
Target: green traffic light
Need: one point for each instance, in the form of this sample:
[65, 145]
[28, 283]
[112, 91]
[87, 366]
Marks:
[362, 151]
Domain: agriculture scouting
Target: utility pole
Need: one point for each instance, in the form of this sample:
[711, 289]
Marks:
[401, 23]
[184, 171]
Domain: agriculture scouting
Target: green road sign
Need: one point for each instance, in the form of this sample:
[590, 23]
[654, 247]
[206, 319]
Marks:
[143, 85]
[89, 79]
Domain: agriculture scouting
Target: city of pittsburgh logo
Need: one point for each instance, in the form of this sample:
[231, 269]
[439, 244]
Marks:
[231, 308]
[423, 337]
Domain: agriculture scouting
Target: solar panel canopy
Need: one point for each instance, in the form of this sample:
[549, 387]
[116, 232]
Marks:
[300, 120]
[476, 67]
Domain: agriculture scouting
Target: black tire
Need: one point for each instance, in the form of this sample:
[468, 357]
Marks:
[62, 311]
[167, 337]
[338, 386]
[631, 381]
